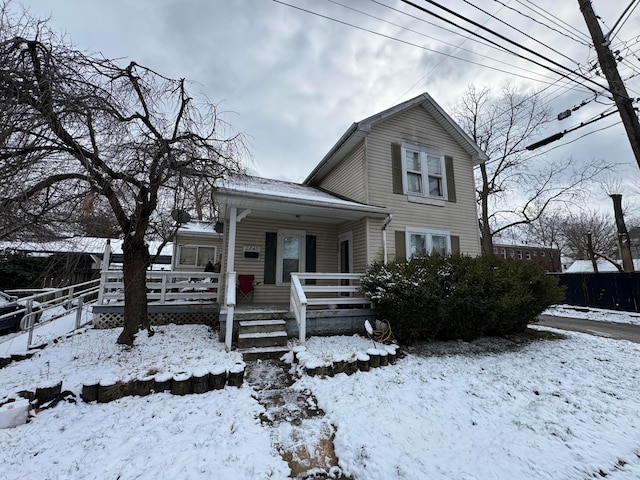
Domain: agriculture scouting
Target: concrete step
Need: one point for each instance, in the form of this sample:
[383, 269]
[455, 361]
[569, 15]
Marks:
[263, 353]
[262, 339]
[258, 326]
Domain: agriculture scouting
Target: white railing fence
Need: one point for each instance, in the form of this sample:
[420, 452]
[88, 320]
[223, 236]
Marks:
[164, 286]
[323, 290]
[47, 305]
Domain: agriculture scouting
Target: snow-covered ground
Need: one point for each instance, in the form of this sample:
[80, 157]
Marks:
[597, 314]
[562, 408]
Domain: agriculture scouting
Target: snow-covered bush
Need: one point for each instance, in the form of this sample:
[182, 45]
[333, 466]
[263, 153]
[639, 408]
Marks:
[431, 297]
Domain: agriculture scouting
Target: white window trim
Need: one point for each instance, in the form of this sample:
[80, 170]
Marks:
[281, 234]
[424, 197]
[428, 232]
[197, 247]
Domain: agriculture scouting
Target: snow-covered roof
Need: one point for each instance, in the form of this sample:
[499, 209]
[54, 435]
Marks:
[198, 227]
[585, 266]
[89, 245]
[261, 193]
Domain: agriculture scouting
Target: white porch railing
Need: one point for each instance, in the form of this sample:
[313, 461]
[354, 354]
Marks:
[164, 286]
[330, 293]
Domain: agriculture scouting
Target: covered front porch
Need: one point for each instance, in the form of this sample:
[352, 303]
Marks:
[300, 247]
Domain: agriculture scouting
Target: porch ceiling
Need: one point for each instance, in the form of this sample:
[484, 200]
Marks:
[300, 210]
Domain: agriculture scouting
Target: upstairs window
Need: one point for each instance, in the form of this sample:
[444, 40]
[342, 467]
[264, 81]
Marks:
[423, 172]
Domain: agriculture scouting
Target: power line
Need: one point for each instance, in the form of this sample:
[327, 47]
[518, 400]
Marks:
[455, 47]
[552, 18]
[502, 37]
[520, 31]
[584, 43]
[566, 78]
[389, 37]
[559, 135]
[620, 21]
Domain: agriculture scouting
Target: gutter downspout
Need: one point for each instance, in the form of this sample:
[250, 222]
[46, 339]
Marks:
[384, 236]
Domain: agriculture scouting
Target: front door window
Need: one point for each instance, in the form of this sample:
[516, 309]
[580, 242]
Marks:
[290, 255]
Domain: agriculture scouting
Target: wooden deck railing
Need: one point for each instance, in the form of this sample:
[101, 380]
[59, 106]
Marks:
[164, 286]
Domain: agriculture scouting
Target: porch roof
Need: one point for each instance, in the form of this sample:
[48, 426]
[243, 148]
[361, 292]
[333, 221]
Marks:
[271, 198]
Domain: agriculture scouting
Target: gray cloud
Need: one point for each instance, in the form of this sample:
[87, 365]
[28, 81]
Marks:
[294, 82]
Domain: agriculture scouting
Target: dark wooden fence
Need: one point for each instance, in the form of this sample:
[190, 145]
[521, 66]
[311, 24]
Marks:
[611, 290]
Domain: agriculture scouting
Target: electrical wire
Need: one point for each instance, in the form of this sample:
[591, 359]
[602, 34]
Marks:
[575, 39]
[502, 37]
[564, 77]
[520, 31]
[342, 22]
[552, 18]
[619, 23]
[455, 47]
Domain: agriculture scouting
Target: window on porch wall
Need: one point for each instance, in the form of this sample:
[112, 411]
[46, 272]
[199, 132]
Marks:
[196, 256]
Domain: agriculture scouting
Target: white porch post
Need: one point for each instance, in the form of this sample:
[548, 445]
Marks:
[106, 259]
[231, 248]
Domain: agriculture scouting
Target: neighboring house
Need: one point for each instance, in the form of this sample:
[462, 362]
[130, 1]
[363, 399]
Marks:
[604, 266]
[76, 259]
[546, 257]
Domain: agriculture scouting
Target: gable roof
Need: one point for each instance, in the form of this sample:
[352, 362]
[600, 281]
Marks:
[359, 130]
[261, 194]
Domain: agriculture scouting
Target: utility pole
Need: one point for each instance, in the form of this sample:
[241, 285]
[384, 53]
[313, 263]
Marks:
[624, 242]
[610, 70]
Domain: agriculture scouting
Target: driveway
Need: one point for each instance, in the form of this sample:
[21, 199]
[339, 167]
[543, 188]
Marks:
[617, 331]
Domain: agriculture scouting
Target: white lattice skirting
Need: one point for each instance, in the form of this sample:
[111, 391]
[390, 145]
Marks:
[114, 320]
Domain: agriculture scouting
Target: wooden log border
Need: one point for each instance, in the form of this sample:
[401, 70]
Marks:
[361, 362]
[216, 379]
[178, 384]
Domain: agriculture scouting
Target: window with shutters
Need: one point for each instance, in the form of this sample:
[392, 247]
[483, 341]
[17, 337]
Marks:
[422, 241]
[423, 172]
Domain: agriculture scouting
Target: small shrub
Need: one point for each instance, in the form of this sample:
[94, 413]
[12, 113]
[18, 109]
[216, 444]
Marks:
[434, 297]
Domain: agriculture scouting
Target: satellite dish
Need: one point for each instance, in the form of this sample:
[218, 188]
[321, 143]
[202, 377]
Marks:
[181, 216]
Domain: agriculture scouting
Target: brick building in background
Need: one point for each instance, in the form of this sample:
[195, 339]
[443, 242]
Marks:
[548, 258]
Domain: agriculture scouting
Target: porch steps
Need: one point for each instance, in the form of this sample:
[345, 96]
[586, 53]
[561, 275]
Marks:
[262, 338]
[263, 353]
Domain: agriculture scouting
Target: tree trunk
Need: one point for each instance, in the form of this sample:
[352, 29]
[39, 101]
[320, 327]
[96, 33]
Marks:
[591, 253]
[624, 242]
[487, 235]
[136, 261]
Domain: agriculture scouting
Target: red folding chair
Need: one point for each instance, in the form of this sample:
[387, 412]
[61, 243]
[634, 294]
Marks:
[245, 287]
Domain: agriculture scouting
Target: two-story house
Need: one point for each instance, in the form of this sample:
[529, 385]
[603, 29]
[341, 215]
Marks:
[397, 183]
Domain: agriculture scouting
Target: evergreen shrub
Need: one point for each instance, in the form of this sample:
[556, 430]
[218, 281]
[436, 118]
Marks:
[435, 297]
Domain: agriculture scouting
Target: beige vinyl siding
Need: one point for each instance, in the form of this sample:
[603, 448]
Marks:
[251, 231]
[359, 232]
[348, 177]
[416, 126]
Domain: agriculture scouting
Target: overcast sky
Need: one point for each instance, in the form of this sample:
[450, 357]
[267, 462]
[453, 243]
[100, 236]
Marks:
[294, 81]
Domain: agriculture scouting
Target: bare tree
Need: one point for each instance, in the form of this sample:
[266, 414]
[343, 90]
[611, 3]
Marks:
[579, 226]
[515, 187]
[77, 124]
